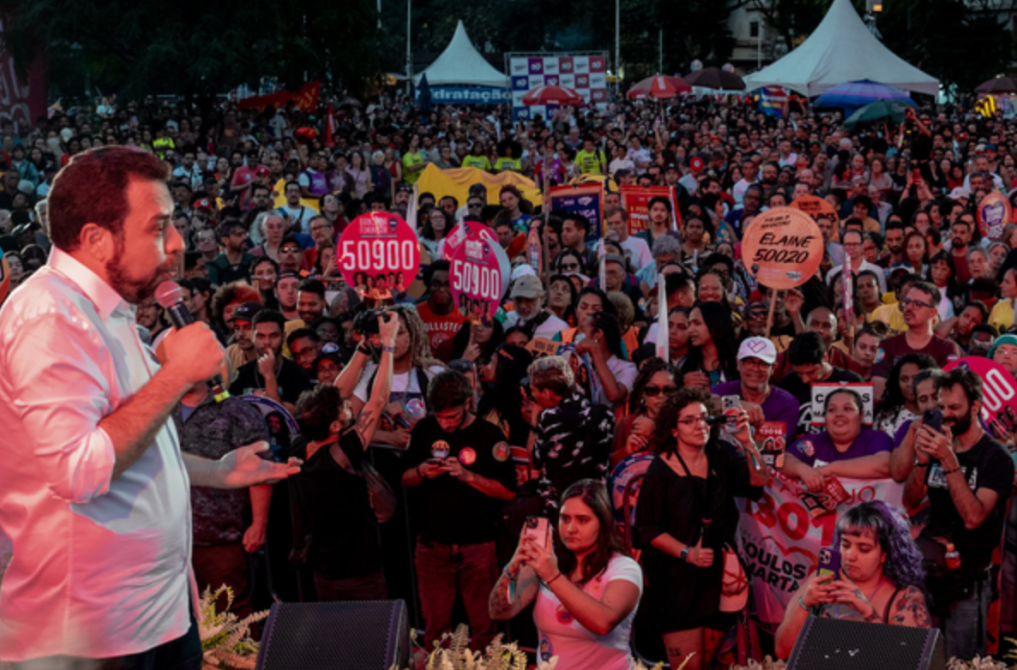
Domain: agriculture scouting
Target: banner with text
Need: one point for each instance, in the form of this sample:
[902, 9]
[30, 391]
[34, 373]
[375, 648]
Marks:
[636, 201]
[779, 538]
[586, 199]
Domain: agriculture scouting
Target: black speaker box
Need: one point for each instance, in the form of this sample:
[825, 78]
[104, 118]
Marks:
[370, 635]
[831, 644]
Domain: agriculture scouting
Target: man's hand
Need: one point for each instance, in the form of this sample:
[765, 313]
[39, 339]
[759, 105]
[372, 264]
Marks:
[934, 444]
[254, 537]
[243, 467]
[266, 364]
[755, 412]
[697, 380]
[699, 556]
[793, 301]
[193, 352]
[400, 437]
[456, 469]
[813, 479]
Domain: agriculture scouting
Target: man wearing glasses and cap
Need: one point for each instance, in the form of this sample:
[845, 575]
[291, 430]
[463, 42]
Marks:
[528, 297]
[920, 309]
[763, 402]
[477, 192]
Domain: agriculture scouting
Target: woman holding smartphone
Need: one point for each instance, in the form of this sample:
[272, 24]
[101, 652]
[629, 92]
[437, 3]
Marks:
[585, 588]
[880, 578]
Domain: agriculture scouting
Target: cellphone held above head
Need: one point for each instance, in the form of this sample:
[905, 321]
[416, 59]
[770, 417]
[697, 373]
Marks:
[829, 561]
[539, 529]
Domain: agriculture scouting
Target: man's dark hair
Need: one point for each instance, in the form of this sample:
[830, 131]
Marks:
[654, 200]
[580, 221]
[930, 289]
[877, 329]
[982, 309]
[302, 332]
[92, 188]
[448, 389]
[270, 316]
[676, 281]
[290, 239]
[866, 273]
[862, 200]
[227, 227]
[986, 328]
[806, 349]
[317, 410]
[291, 182]
[312, 286]
[966, 379]
[893, 224]
[436, 266]
[455, 202]
[260, 187]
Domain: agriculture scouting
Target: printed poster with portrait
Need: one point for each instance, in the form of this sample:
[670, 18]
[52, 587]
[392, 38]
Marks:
[379, 255]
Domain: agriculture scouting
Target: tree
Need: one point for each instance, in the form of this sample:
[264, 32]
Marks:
[790, 19]
[194, 48]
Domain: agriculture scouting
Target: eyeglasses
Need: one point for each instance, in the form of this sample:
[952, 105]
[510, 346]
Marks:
[569, 266]
[476, 205]
[289, 250]
[755, 363]
[693, 420]
[908, 302]
[654, 391]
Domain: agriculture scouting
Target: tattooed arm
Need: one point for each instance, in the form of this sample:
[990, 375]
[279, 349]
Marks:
[910, 609]
[500, 606]
[367, 419]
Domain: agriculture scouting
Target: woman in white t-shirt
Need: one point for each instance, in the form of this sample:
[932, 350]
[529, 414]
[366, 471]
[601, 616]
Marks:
[586, 600]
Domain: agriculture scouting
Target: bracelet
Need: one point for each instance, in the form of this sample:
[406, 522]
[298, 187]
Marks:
[550, 581]
[919, 464]
[951, 470]
[390, 350]
[801, 604]
[509, 574]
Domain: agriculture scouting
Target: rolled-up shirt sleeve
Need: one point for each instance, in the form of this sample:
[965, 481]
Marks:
[59, 391]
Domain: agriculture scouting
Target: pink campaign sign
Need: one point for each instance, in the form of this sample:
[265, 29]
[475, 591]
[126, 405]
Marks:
[379, 255]
[476, 276]
[461, 231]
[999, 393]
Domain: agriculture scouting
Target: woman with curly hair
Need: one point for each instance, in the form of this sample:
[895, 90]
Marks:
[685, 517]
[880, 580]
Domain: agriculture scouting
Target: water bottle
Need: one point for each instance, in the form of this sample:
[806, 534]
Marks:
[953, 560]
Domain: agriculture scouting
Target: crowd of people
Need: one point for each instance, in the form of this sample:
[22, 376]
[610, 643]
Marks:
[432, 443]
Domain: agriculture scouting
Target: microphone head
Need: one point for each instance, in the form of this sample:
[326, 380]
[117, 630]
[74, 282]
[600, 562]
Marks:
[168, 294]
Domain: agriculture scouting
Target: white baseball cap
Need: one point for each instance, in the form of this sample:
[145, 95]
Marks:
[758, 347]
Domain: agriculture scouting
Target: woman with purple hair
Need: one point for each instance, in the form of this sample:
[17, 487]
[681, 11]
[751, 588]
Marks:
[880, 580]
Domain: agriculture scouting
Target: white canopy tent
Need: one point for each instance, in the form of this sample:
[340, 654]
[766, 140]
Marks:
[462, 65]
[841, 49]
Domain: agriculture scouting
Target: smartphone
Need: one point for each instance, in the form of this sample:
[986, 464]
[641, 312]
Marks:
[933, 418]
[731, 405]
[829, 561]
[538, 528]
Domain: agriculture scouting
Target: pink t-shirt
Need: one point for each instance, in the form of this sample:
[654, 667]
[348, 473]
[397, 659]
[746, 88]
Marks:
[576, 647]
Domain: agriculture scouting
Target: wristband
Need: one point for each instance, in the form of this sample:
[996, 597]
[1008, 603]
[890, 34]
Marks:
[951, 470]
[684, 555]
[802, 604]
[919, 464]
[364, 348]
[390, 350]
[550, 581]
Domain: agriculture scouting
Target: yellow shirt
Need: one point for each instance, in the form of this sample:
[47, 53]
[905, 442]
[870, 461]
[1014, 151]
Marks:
[479, 162]
[891, 316]
[1001, 316]
[590, 162]
[410, 159]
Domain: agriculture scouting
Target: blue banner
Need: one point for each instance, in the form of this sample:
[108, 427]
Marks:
[586, 199]
[467, 95]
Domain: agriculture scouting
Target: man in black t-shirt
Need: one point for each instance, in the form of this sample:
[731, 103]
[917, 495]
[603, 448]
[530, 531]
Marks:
[967, 476]
[271, 375]
[807, 357]
[461, 474]
[336, 507]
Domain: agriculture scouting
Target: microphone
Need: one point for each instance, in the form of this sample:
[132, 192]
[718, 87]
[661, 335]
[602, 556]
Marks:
[169, 297]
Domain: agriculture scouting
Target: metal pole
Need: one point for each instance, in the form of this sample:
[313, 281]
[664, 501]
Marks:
[660, 69]
[759, 41]
[409, 51]
[379, 14]
[617, 47]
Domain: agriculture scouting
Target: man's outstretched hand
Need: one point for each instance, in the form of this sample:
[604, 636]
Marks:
[244, 467]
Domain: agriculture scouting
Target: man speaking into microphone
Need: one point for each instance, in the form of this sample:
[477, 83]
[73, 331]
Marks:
[94, 489]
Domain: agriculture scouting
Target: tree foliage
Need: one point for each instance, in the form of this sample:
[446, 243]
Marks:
[194, 48]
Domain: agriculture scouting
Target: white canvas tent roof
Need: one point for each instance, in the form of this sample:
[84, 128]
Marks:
[462, 65]
[841, 49]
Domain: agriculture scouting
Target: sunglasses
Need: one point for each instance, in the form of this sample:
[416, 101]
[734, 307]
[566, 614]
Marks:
[569, 266]
[654, 391]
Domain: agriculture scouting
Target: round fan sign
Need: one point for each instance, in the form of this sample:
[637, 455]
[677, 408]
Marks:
[816, 207]
[696, 164]
[994, 212]
[379, 255]
[478, 278]
[461, 231]
[782, 248]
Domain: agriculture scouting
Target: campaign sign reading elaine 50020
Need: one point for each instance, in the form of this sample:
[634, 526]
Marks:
[379, 255]
[782, 248]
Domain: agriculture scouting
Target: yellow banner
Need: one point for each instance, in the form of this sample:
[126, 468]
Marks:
[457, 183]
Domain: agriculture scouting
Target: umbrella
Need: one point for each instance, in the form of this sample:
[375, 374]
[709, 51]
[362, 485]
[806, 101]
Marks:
[658, 86]
[998, 85]
[856, 94]
[714, 77]
[881, 110]
[552, 95]
[424, 95]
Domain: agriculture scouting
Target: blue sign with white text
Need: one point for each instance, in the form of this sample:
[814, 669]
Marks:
[467, 95]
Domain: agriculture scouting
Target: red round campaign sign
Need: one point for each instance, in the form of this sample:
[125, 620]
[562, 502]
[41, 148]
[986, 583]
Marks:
[782, 248]
[999, 394]
[477, 277]
[994, 212]
[379, 255]
[461, 231]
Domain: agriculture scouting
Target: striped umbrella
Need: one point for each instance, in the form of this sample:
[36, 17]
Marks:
[855, 94]
[552, 95]
[658, 86]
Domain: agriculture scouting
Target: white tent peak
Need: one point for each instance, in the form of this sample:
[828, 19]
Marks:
[841, 49]
[460, 64]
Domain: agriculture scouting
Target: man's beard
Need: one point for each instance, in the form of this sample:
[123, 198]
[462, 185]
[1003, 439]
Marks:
[136, 291]
[896, 251]
[961, 425]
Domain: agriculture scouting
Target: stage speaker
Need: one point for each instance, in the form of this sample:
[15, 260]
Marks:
[831, 644]
[371, 635]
